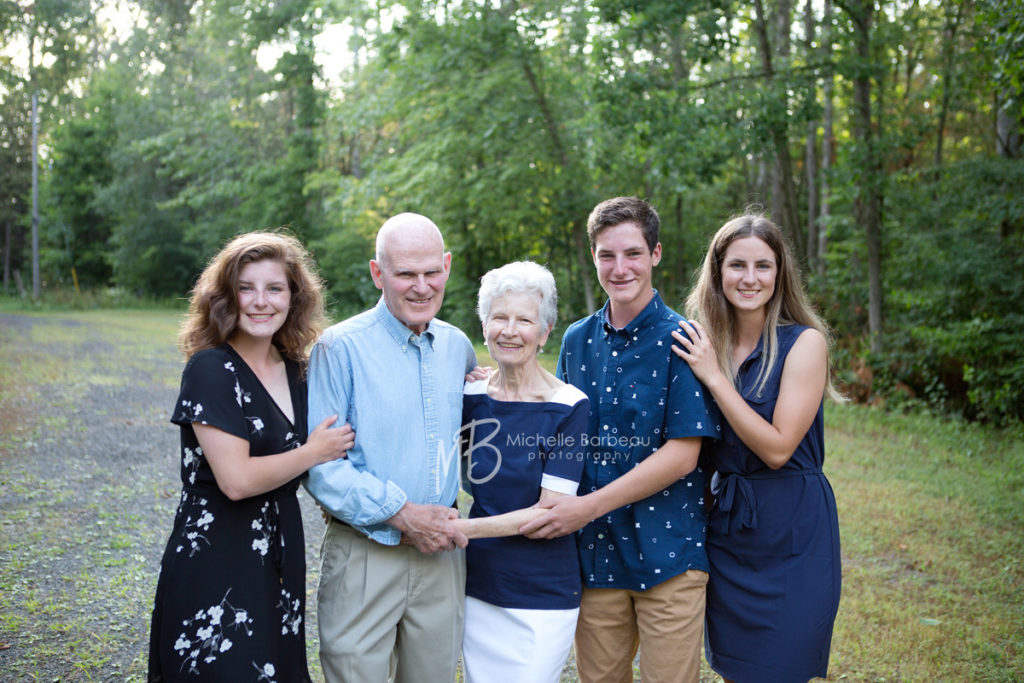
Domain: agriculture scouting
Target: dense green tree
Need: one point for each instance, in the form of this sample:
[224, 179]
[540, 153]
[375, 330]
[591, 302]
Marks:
[16, 179]
[57, 36]
[506, 121]
[78, 232]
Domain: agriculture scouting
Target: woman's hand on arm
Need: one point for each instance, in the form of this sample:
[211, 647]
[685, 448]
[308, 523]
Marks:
[328, 443]
[695, 348]
[800, 392]
[508, 524]
[478, 373]
[240, 476]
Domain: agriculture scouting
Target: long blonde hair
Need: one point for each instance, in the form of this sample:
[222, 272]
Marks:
[213, 306]
[788, 304]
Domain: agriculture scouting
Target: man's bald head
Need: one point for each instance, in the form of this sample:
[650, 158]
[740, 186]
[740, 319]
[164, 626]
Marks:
[404, 228]
[411, 268]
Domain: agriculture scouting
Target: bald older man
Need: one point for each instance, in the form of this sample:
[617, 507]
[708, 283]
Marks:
[392, 575]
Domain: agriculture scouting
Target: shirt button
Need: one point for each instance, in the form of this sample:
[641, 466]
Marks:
[600, 535]
[615, 353]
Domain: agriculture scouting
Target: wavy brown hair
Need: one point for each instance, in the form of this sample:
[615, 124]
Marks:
[213, 305]
[788, 305]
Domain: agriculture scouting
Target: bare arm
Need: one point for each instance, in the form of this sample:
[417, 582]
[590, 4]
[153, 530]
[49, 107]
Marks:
[508, 524]
[240, 476]
[675, 459]
[800, 392]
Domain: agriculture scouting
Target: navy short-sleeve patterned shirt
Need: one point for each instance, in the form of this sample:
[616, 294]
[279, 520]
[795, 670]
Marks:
[641, 394]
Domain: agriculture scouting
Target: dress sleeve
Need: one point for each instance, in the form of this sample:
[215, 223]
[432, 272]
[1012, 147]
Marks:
[211, 394]
[564, 462]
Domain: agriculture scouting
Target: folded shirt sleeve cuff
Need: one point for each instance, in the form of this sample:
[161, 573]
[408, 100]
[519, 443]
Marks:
[559, 484]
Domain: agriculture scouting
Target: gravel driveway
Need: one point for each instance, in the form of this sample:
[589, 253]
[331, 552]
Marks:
[88, 487]
[89, 482]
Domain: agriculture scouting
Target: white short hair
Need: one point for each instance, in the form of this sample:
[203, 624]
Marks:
[520, 277]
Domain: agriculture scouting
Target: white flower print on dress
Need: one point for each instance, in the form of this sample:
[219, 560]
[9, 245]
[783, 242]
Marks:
[256, 424]
[291, 617]
[190, 412]
[241, 395]
[291, 440]
[265, 672]
[265, 530]
[192, 528]
[210, 638]
[191, 461]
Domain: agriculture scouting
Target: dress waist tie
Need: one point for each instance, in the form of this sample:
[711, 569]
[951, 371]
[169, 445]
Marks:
[277, 553]
[734, 496]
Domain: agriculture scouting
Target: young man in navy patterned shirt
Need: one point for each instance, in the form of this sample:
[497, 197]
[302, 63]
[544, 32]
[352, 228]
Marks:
[641, 507]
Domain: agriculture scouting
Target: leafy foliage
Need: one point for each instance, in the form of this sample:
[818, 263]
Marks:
[954, 291]
[507, 121]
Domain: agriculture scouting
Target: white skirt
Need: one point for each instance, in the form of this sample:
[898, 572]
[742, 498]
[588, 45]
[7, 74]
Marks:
[522, 645]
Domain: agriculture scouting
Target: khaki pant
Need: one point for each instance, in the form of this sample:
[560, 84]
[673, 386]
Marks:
[388, 612]
[666, 623]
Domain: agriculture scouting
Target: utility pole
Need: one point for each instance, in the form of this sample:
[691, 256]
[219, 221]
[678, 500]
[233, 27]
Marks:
[35, 151]
[35, 196]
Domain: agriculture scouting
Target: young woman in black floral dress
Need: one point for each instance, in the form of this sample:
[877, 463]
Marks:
[230, 601]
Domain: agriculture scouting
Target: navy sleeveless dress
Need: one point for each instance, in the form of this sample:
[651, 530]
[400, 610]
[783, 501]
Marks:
[773, 547]
[231, 598]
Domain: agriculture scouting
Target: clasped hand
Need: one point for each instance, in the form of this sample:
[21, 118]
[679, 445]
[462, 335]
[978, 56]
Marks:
[429, 528]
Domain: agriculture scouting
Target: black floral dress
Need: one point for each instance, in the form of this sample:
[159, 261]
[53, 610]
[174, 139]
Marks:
[230, 601]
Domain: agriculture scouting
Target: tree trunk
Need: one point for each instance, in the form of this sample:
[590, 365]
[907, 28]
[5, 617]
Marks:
[827, 138]
[579, 238]
[1009, 127]
[952, 24]
[7, 256]
[810, 152]
[867, 205]
[35, 162]
[785, 211]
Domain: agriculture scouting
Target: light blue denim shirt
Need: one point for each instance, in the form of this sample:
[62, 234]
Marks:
[402, 393]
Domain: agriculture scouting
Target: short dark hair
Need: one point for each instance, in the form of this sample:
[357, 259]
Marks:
[619, 210]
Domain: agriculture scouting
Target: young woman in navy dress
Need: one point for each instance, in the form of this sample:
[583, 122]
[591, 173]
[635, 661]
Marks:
[523, 441]
[230, 600]
[773, 532]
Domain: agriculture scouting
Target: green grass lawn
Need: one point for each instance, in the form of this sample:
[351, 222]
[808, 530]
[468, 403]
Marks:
[931, 514]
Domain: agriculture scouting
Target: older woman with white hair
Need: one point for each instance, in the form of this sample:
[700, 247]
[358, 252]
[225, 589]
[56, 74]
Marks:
[523, 441]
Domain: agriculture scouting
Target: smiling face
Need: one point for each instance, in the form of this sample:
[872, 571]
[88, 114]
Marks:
[624, 265]
[513, 330]
[263, 298]
[412, 273]
[749, 269]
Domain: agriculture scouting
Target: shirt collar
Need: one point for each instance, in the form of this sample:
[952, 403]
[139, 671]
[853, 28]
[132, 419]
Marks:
[652, 311]
[398, 330]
